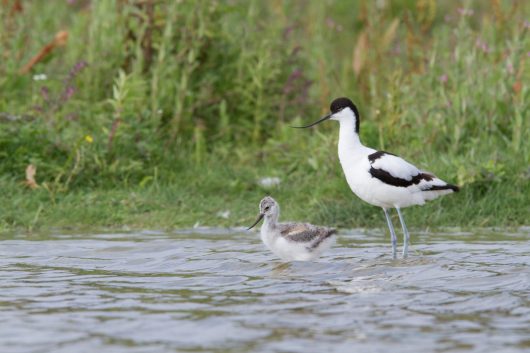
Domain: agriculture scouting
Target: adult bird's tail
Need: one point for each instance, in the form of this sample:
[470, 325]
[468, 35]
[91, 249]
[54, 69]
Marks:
[436, 187]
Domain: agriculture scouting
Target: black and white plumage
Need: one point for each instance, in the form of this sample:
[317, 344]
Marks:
[291, 241]
[377, 177]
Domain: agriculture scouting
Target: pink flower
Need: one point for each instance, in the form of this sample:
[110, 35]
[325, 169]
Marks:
[443, 78]
[482, 45]
[509, 68]
[465, 12]
[330, 23]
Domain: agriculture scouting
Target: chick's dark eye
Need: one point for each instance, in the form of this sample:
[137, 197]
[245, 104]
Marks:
[267, 208]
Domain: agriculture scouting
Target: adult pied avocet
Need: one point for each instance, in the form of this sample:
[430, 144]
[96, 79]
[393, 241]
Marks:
[381, 178]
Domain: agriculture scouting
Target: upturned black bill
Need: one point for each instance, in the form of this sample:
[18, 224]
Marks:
[260, 217]
[315, 123]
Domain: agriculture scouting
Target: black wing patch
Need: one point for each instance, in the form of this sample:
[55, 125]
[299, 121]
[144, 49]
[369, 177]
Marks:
[442, 187]
[389, 179]
[376, 155]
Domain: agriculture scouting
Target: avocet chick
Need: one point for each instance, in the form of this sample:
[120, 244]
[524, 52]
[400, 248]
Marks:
[291, 241]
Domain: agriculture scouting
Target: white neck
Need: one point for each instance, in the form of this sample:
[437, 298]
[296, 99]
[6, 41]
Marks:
[271, 221]
[349, 141]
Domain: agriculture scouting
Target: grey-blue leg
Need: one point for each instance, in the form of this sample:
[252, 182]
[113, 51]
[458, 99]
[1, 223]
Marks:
[392, 233]
[405, 234]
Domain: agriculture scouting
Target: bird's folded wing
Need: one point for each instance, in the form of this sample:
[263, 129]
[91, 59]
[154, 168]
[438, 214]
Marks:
[395, 171]
[300, 232]
[305, 233]
[396, 166]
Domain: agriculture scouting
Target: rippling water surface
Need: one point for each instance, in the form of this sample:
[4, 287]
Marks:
[221, 291]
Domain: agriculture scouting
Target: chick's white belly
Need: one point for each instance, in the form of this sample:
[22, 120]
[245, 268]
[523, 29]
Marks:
[293, 251]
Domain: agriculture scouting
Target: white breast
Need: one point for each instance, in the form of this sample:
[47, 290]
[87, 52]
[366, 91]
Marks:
[355, 164]
[356, 167]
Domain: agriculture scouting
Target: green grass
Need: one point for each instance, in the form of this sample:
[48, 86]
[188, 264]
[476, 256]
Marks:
[197, 198]
[182, 107]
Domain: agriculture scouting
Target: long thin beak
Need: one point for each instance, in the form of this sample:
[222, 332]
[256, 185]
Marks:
[315, 123]
[260, 217]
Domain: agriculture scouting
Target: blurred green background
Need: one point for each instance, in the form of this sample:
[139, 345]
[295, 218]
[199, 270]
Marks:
[160, 114]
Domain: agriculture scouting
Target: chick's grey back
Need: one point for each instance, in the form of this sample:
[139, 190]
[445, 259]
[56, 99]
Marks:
[305, 233]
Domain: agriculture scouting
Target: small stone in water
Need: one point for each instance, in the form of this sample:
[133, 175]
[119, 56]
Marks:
[269, 181]
[224, 214]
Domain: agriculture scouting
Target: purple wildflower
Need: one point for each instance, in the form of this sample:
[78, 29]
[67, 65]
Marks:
[330, 23]
[396, 49]
[45, 93]
[287, 31]
[76, 70]
[443, 78]
[482, 45]
[290, 84]
[71, 117]
[465, 12]
[333, 25]
[67, 93]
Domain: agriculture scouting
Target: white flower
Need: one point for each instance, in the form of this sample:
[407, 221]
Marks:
[40, 77]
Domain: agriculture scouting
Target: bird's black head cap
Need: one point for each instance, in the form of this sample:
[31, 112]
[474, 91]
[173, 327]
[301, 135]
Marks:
[340, 103]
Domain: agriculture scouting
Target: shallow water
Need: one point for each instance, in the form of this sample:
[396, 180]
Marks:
[221, 291]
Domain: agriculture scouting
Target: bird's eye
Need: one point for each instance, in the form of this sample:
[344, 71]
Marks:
[267, 208]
